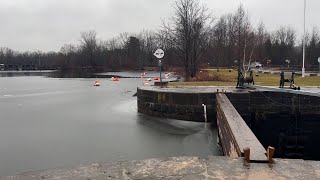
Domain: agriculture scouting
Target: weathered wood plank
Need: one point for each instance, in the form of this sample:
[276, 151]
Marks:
[235, 134]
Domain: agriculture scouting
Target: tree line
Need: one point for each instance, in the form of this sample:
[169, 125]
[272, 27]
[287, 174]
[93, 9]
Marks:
[191, 38]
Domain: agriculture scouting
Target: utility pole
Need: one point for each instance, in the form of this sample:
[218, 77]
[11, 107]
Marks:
[304, 39]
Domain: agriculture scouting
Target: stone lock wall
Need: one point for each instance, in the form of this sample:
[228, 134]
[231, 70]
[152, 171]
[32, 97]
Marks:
[183, 106]
[278, 119]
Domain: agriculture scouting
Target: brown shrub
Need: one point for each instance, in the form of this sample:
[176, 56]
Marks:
[206, 76]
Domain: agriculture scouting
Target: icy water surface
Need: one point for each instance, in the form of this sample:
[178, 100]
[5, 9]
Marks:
[56, 122]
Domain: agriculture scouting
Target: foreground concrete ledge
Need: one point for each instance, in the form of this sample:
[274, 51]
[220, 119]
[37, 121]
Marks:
[213, 167]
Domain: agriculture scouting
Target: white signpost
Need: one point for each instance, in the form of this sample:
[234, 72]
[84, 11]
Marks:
[159, 54]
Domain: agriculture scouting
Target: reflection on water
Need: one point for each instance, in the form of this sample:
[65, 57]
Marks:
[25, 73]
[53, 122]
[81, 74]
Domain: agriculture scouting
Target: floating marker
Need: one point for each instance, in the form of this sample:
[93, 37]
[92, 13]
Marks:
[167, 75]
[116, 79]
[142, 75]
[97, 83]
[146, 83]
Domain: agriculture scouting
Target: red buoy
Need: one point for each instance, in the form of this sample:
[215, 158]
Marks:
[97, 83]
[146, 83]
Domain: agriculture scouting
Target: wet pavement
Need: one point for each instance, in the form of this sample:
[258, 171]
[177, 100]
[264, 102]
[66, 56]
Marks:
[187, 167]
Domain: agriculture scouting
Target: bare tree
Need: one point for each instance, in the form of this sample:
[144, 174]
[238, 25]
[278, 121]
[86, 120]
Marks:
[242, 28]
[313, 46]
[188, 29]
[123, 39]
[261, 36]
[148, 45]
[89, 43]
[2, 51]
[68, 50]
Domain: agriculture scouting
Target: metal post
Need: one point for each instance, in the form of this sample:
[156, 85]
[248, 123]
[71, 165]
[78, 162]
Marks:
[319, 63]
[159, 54]
[304, 40]
[205, 112]
[160, 73]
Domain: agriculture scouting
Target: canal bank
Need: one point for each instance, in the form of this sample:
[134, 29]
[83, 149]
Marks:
[212, 167]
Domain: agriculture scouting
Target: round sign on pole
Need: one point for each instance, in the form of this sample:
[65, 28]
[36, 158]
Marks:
[159, 53]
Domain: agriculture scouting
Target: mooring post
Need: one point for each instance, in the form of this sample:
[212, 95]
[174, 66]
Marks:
[270, 153]
[247, 154]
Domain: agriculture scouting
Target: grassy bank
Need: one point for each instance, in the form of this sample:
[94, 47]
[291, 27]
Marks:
[213, 77]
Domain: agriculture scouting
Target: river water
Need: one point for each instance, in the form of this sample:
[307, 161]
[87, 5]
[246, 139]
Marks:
[56, 122]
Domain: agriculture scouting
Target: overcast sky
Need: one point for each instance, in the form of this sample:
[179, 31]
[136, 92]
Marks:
[48, 24]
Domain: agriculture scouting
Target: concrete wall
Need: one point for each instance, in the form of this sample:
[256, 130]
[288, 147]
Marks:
[188, 106]
[183, 106]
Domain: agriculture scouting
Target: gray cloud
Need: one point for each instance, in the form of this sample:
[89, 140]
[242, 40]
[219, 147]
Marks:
[48, 24]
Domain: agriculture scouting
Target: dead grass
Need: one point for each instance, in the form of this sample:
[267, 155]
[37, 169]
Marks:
[215, 75]
[222, 77]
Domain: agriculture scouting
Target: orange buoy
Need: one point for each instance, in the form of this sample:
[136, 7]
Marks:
[97, 83]
[142, 75]
[146, 83]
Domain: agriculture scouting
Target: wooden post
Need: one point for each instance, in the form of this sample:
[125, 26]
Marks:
[247, 154]
[270, 153]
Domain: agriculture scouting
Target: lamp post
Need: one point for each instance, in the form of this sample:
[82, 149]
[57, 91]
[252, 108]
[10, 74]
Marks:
[319, 63]
[269, 62]
[288, 62]
[304, 39]
[236, 63]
